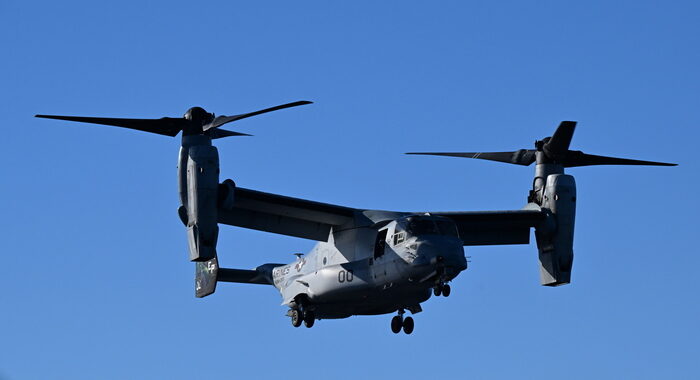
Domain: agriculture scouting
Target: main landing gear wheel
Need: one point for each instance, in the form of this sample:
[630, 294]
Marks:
[396, 324]
[441, 289]
[309, 319]
[296, 318]
[408, 325]
[446, 290]
[399, 322]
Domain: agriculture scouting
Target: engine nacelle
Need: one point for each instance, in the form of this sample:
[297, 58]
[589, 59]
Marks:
[555, 238]
[202, 193]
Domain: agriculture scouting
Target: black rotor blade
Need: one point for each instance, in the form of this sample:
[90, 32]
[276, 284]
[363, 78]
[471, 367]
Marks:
[523, 157]
[166, 126]
[561, 139]
[578, 158]
[217, 133]
[221, 120]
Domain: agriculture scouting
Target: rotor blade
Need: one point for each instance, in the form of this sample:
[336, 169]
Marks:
[578, 158]
[166, 126]
[523, 157]
[561, 139]
[218, 133]
[221, 120]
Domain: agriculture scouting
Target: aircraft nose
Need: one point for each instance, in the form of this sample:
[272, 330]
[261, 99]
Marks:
[448, 252]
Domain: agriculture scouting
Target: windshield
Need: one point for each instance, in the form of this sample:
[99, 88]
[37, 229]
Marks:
[422, 227]
[447, 227]
[425, 226]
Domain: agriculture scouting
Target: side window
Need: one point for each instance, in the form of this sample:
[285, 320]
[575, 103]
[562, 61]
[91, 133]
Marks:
[399, 238]
[380, 244]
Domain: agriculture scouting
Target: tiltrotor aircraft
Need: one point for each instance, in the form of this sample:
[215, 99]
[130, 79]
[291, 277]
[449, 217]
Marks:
[366, 262]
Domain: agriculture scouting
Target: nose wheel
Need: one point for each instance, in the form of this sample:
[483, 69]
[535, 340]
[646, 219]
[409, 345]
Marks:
[399, 323]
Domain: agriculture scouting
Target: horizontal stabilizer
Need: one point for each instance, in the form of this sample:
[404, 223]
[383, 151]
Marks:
[208, 274]
[243, 276]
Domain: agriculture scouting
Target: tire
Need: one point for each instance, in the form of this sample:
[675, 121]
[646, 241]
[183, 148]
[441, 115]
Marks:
[309, 319]
[437, 291]
[446, 291]
[408, 325]
[296, 318]
[396, 324]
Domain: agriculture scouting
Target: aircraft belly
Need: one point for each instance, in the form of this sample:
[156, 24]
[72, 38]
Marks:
[375, 302]
[358, 288]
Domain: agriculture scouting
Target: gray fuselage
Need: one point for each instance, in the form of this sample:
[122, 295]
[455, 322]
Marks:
[385, 269]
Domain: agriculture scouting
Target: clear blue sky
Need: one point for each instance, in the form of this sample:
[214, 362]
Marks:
[95, 278]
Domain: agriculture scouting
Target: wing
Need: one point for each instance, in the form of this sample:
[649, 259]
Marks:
[285, 215]
[495, 227]
[306, 219]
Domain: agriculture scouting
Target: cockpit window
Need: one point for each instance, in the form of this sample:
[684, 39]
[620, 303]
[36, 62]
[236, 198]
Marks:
[447, 228]
[422, 227]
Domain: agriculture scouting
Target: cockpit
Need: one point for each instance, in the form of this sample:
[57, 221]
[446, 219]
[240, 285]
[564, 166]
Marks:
[417, 225]
[422, 235]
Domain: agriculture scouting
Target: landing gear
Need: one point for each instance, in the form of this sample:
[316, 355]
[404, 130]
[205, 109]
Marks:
[296, 317]
[399, 322]
[309, 318]
[396, 324]
[408, 325]
[442, 289]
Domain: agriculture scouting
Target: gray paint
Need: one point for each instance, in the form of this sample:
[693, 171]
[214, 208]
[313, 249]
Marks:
[556, 245]
[365, 262]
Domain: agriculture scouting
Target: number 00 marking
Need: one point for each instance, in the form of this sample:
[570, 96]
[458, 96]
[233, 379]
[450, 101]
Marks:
[345, 276]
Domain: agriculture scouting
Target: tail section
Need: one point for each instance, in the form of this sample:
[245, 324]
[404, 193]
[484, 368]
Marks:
[208, 274]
